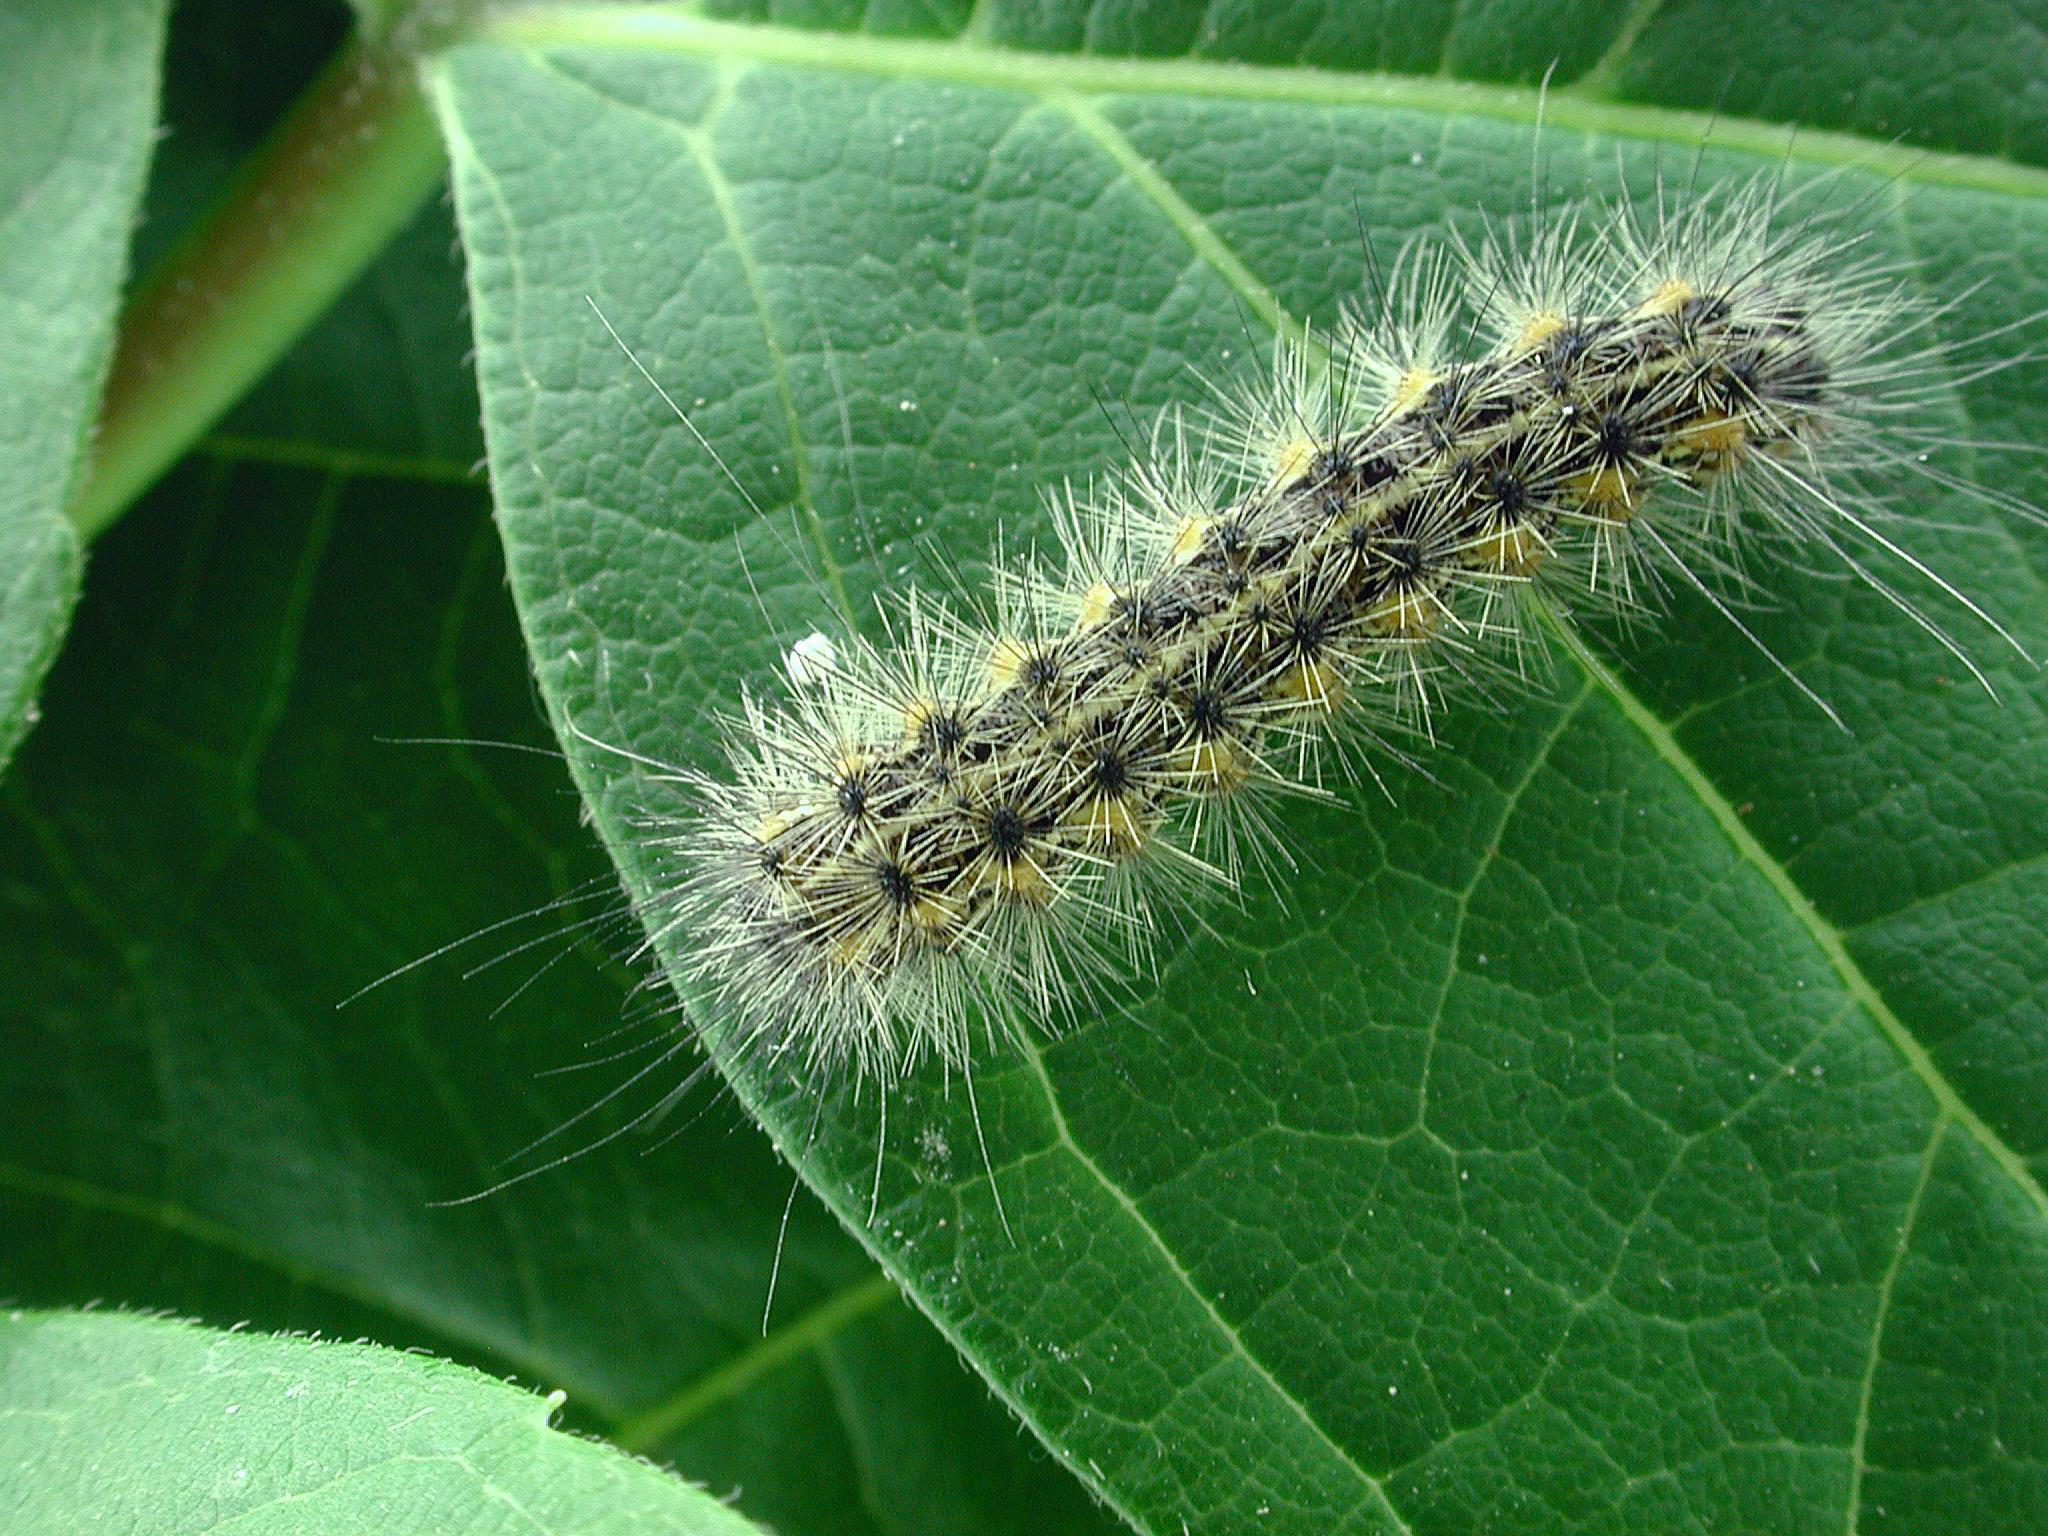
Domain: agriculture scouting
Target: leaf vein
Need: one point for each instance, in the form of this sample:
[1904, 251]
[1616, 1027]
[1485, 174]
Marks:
[1859, 1442]
[1567, 713]
[697, 141]
[1826, 936]
[652, 1426]
[1375, 1489]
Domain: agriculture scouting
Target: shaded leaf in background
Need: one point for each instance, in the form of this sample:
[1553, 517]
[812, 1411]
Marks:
[211, 842]
[1604, 1138]
[79, 78]
[149, 1426]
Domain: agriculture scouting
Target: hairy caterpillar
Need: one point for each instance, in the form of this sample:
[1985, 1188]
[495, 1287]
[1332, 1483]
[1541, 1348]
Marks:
[950, 835]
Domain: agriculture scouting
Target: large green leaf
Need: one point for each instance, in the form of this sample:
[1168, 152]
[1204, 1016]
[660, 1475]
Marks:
[78, 79]
[207, 846]
[1636, 1126]
[148, 1426]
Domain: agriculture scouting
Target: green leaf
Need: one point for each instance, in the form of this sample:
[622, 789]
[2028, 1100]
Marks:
[213, 839]
[155, 1426]
[1636, 1125]
[1957, 76]
[79, 78]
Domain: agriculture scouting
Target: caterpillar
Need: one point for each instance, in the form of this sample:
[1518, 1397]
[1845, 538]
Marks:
[942, 838]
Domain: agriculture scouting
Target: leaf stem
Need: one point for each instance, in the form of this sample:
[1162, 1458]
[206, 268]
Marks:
[347, 167]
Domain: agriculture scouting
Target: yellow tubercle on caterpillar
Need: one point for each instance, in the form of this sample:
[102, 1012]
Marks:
[1535, 331]
[1609, 493]
[1007, 659]
[1097, 604]
[1667, 298]
[1412, 388]
[1712, 444]
[937, 921]
[1516, 551]
[1190, 538]
[854, 951]
[1108, 825]
[1312, 687]
[1291, 460]
[1405, 611]
[918, 716]
[1215, 767]
[1021, 879]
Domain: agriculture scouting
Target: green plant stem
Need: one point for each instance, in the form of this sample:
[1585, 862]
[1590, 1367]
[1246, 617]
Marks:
[352, 161]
